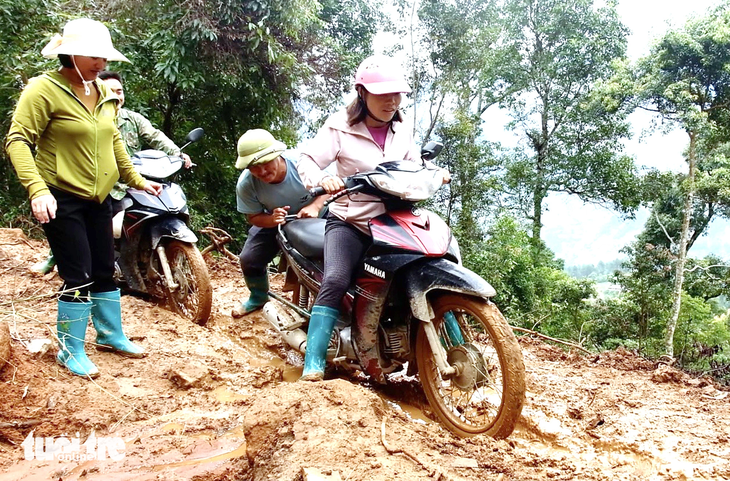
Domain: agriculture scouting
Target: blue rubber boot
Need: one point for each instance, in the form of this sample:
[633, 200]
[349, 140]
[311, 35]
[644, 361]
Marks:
[73, 317]
[106, 314]
[259, 288]
[321, 325]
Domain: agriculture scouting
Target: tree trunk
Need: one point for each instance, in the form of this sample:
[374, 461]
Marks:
[540, 142]
[682, 251]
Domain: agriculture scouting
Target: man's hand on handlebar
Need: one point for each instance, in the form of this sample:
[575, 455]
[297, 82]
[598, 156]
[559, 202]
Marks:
[278, 216]
[186, 158]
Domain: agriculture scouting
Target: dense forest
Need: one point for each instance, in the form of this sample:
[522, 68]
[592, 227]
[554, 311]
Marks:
[558, 68]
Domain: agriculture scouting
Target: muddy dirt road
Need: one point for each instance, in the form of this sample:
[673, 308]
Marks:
[220, 403]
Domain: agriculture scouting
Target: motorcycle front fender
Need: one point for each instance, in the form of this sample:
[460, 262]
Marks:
[172, 228]
[442, 275]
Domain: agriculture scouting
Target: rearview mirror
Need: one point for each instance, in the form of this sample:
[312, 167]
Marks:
[194, 135]
[431, 150]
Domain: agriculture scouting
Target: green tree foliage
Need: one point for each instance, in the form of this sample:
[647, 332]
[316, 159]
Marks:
[686, 79]
[25, 28]
[505, 261]
[541, 297]
[702, 338]
[468, 202]
[572, 142]
[230, 66]
[454, 85]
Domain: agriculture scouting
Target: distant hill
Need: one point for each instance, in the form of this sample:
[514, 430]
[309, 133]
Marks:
[600, 272]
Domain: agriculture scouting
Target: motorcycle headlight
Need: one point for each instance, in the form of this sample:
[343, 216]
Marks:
[454, 250]
[410, 186]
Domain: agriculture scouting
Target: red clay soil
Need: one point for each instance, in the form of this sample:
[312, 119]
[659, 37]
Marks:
[219, 403]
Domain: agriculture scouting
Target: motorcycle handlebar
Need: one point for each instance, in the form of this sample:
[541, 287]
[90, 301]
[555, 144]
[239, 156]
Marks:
[317, 191]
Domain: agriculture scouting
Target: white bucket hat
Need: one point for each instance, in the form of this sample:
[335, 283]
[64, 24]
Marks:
[84, 37]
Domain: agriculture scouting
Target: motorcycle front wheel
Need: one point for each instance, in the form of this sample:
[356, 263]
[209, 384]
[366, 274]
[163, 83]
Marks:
[486, 394]
[193, 297]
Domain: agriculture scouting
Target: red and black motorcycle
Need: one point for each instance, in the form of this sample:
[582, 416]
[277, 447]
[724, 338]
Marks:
[412, 305]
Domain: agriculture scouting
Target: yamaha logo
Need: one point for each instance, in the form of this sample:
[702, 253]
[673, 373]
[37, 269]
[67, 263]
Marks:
[375, 271]
[416, 211]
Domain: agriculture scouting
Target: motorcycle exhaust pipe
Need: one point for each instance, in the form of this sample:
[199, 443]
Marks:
[340, 348]
[296, 338]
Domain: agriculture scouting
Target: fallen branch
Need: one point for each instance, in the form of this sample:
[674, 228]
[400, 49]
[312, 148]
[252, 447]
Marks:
[21, 424]
[559, 341]
[218, 238]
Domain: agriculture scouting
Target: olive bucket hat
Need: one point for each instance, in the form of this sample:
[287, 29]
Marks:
[257, 146]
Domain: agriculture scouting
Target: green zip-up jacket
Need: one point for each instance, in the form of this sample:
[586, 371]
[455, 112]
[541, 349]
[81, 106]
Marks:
[76, 151]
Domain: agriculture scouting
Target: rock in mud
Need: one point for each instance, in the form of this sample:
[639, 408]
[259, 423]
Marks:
[189, 376]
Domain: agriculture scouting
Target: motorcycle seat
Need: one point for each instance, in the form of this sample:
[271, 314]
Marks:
[306, 236]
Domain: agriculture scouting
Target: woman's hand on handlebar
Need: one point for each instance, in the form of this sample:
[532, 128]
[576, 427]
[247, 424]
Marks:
[332, 184]
[153, 188]
[446, 176]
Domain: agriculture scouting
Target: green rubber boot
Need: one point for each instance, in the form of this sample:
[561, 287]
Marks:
[73, 317]
[259, 288]
[321, 325]
[106, 314]
[45, 266]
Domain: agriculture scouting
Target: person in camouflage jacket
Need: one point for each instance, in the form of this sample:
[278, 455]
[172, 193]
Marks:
[136, 130]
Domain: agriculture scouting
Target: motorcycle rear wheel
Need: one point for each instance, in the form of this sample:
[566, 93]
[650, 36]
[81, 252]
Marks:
[194, 296]
[486, 394]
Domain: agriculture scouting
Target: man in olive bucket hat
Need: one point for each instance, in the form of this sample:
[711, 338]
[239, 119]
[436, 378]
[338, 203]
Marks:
[268, 189]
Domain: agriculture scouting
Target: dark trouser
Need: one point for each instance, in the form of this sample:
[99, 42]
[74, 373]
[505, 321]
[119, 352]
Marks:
[260, 249]
[344, 247]
[82, 242]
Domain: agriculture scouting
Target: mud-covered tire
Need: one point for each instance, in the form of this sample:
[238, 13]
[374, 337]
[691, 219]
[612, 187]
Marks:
[194, 297]
[488, 395]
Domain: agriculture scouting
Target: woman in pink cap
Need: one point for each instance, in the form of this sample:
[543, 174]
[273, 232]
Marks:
[368, 132]
[68, 153]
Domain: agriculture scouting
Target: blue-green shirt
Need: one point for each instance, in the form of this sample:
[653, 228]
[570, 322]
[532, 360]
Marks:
[254, 196]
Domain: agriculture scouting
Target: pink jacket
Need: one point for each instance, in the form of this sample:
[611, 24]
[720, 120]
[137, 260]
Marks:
[354, 150]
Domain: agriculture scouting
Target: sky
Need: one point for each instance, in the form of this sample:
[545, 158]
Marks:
[586, 234]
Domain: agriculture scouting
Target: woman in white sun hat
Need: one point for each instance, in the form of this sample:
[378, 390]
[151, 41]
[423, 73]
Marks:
[68, 153]
[368, 132]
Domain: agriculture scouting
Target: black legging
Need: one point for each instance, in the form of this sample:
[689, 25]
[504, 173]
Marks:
[344, 247]
[82, 243]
